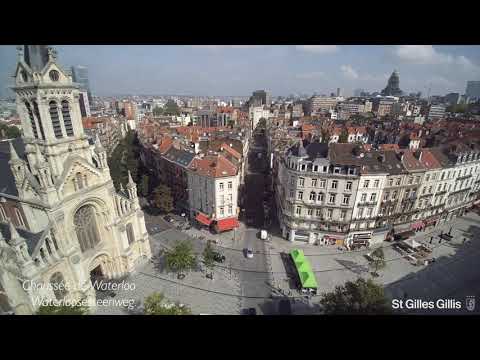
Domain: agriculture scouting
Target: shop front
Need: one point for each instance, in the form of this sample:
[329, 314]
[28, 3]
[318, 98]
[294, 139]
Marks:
[417, 226]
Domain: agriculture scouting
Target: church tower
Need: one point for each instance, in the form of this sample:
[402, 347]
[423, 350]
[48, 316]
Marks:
[76, 227]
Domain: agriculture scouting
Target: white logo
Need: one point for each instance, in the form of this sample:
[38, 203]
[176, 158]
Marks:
[470, 302]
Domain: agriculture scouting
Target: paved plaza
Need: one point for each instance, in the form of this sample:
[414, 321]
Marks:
[240, 283]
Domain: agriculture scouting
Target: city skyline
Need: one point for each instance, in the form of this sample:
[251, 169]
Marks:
[213, 70]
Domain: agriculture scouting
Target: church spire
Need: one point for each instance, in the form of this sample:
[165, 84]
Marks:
[13, 153]
[130, 180]
[36, 56]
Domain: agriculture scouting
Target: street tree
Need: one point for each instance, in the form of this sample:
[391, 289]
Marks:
[378, 261]
[156, 304]
[52, 309]
[171, 108]
[144, 185]
[209, 257]
[162, 198]
[343, 138]
[181, 258]
[325, 136]
[157, 111]
[356, 297]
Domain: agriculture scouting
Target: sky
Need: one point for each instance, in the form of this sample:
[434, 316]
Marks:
[238, 70]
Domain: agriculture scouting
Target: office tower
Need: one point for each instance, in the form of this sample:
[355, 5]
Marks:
[473, 89]
[80, 76]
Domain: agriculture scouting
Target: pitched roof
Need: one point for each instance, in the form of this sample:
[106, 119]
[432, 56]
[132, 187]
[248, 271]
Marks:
[165, 145]
[30, 238]
[231, 151]
[7, 181]
[410, 162]
[179, 157]
[213, 166]
[385, 147]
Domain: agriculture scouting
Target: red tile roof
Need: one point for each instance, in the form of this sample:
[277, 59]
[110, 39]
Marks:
[165, 145]
[384, 147]
[428, 160]
[231, 151]
[214, 166]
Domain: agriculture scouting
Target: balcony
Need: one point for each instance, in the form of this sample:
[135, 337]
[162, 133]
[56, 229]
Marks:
[441, 193]
[460, 191]
[367, 203]
[464, 177]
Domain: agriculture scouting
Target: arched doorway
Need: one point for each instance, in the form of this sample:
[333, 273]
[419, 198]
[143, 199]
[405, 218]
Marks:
[86, 227]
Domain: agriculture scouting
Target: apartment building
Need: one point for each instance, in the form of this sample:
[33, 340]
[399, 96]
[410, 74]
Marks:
[213, 192]
[314, 196]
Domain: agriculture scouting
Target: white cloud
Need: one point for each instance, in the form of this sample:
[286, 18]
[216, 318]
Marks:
[349, 72]
[318, 49]
[311, 75]
[428, 55]
[217, 47]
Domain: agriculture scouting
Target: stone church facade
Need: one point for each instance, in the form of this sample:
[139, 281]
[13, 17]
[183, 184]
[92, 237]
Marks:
[61, 219]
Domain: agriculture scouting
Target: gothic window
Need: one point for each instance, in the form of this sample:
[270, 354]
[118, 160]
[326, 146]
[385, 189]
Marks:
[49, 249]
[37, 114]
[67, 120]
[19, 217]
[58, 285]
[130, 236]
[79, 181]
[86, 227]
[57, 128]
[32, 120]
[3, 216]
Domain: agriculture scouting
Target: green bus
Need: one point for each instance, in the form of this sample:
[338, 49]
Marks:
[308, 283]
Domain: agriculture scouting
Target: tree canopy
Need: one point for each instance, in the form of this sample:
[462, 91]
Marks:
[356, 297]
[155, 304]
[181, 258]
[378, 260]
[209, 256]
[162, 198]
[52, 309]
[9, 132]
[343, 138]
[171, 108]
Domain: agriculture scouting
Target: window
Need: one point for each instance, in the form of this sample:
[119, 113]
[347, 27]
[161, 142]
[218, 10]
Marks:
[313, 195]
[301, 181]
[67, 121]
[300, 195]
[394, 195]
[230, 209]
[443, 176]
[315, 168]
[336, 170]
[343, 214]
[37, 114]
[230, 198]
[427, 177]
[373, 197]
[424, 190]
[314, 182]
[399, 180]
[298, 210]
[19, 217]
[32, 119]
[369, 212]
[386, 196]
[3, 216]
[292, 180]
[332, 198]
[390, 182]
[363, 198]
[348, 186]
[292, 193]
[85, 223]
[346, 199]
[229, 185]
[366, 183]
[58, 285]
[376, 183]
[222, 199]
[320, 197]
[417, 179]
[360, 213]
[351, 171]
[329, 213]
[221, 186]
[318, 213]
[322, 184]
[334, 184]
[325, 169]
[303, 167]
[57, 128]
[410, 180]
[130, 236]
[79, 183]
[310, 212]
[430, 190]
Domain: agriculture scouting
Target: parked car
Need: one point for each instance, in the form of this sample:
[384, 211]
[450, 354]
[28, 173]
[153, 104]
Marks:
[249, 253]
[168, 218]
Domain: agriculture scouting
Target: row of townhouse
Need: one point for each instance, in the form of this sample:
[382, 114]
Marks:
[341, 193]
[205, 185]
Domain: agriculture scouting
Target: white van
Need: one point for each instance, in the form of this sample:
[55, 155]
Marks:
[263, 234]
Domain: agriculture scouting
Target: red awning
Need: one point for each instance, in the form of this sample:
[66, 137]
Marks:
[204, 219]
[417, 225]
[227, 224]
